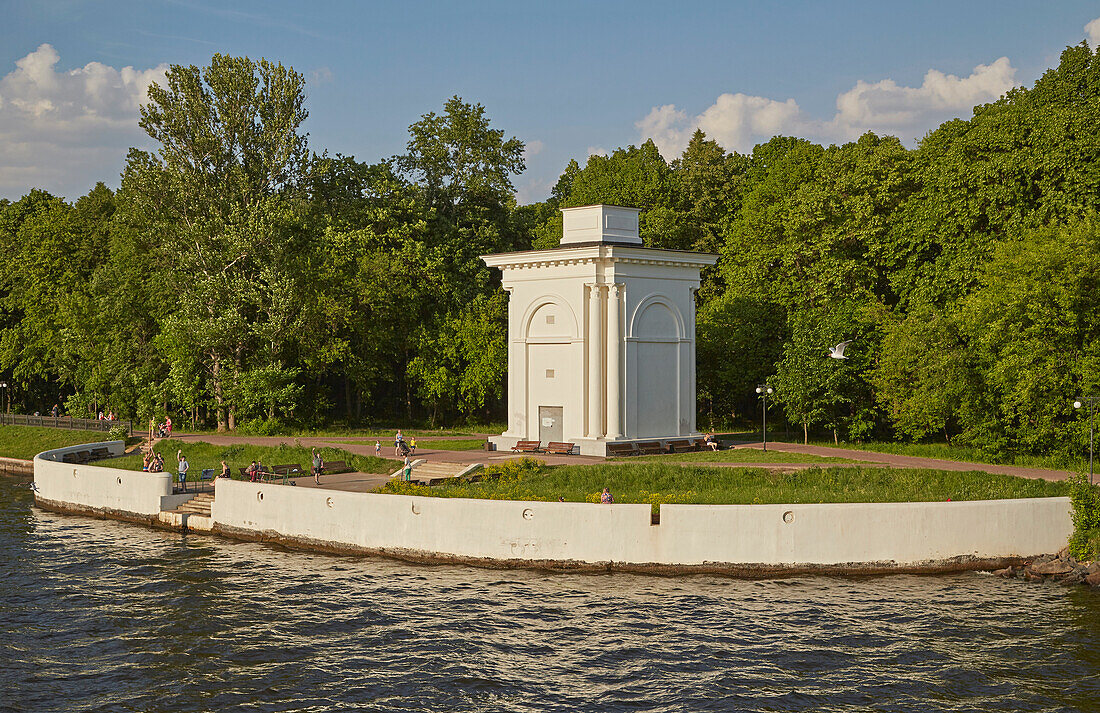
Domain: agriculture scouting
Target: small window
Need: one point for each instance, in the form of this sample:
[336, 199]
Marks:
[549, 373]
[549, 319]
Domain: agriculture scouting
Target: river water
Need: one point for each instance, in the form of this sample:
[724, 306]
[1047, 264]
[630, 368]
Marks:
[106, 616]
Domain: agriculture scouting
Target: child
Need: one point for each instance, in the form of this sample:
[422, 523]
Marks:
[377, 449]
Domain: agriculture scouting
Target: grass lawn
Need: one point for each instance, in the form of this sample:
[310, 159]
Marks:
[657, 483]
[355, 435]
[457, 444]
[26, 442]
[960, 453]
[206, 455]
[740, 455]
[473, 444]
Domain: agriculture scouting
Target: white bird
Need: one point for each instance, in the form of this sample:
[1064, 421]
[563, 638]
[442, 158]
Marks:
[837, 352]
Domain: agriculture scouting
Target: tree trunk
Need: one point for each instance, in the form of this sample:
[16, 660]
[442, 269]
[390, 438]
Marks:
[836, 442]
[805, 433]
[219, 396]
[347, 397]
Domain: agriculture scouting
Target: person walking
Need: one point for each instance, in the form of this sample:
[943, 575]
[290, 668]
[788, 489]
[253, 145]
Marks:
[412, 444]
[377, 449]
[408, 468]
[397, 441]
[183, 466]
[317, 466]
[168, 426]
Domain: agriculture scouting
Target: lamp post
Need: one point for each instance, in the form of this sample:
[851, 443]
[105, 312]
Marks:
[764, 390]
[4, 386]
[1091, 401]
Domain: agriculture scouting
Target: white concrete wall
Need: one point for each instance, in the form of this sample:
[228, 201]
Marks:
[898, 533]
[863, 532]
[498, 529]
[98, 486]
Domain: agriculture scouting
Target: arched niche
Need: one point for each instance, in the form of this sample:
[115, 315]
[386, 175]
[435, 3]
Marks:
[656, 319]
[550, 319]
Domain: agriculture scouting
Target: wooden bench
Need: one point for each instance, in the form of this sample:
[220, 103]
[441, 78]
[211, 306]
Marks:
[621, 449]
[527, 447]
[98, 453]
[336, 466]
[285, 471]
[685, 446]
[245, 475]
[650, 448]
[560, 448]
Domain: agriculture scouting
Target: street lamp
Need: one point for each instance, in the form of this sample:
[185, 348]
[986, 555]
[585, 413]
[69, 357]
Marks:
[4, 386]
[1091, 401]
[764, 390]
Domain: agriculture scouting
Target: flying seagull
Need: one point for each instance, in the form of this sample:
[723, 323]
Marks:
[837, 352]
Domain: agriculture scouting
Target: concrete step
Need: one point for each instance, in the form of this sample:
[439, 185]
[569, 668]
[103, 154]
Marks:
[198, 505]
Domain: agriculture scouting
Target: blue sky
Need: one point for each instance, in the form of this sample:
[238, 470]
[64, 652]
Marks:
[569, 78]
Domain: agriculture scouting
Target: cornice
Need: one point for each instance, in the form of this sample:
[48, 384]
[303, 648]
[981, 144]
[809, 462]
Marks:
[598, 253]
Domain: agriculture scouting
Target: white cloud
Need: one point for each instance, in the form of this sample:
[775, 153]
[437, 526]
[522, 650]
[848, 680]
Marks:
[595, 151]
[64, 130]
[740, 121]
[321, 75]
[886, 107]
[533, 148]
[1092, 32]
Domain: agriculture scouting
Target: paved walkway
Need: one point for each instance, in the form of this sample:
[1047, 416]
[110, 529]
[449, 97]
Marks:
[897, 461]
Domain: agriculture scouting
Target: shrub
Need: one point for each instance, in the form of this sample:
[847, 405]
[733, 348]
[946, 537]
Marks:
[1084, 544]
[118, 432]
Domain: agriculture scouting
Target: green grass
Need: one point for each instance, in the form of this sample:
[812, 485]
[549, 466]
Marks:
[26, 442]
[965, 454]
[457, 444]
[351, 435]
[473, 444]
[656, 483]
[206, 455]
[740, 455]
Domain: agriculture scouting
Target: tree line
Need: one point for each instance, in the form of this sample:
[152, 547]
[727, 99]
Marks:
[238, 278]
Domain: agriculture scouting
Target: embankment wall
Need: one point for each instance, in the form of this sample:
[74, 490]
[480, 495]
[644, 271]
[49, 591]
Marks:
[749, 539]
[98, 488]
[872, 535]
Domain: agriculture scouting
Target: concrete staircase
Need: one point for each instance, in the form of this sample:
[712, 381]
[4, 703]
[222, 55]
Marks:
[426, 473]
[193, 515]
[198, 505]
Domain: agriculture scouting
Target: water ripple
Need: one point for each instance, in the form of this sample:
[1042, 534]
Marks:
[106, 616]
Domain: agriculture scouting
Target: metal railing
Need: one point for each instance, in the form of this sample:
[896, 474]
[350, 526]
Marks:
[72, 424]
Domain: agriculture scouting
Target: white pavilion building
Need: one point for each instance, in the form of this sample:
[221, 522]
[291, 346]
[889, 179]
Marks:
[601, 336]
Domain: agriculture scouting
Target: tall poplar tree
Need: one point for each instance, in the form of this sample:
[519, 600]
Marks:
[221, 194]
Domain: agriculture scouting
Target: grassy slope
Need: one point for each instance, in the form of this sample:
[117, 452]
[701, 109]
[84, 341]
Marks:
[741, 455]
[657, 483]
[27, 441]
[205, 455]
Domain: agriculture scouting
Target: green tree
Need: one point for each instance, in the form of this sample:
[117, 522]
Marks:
[223, 192]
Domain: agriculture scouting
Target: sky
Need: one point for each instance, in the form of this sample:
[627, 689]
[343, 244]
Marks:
[568, 78]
